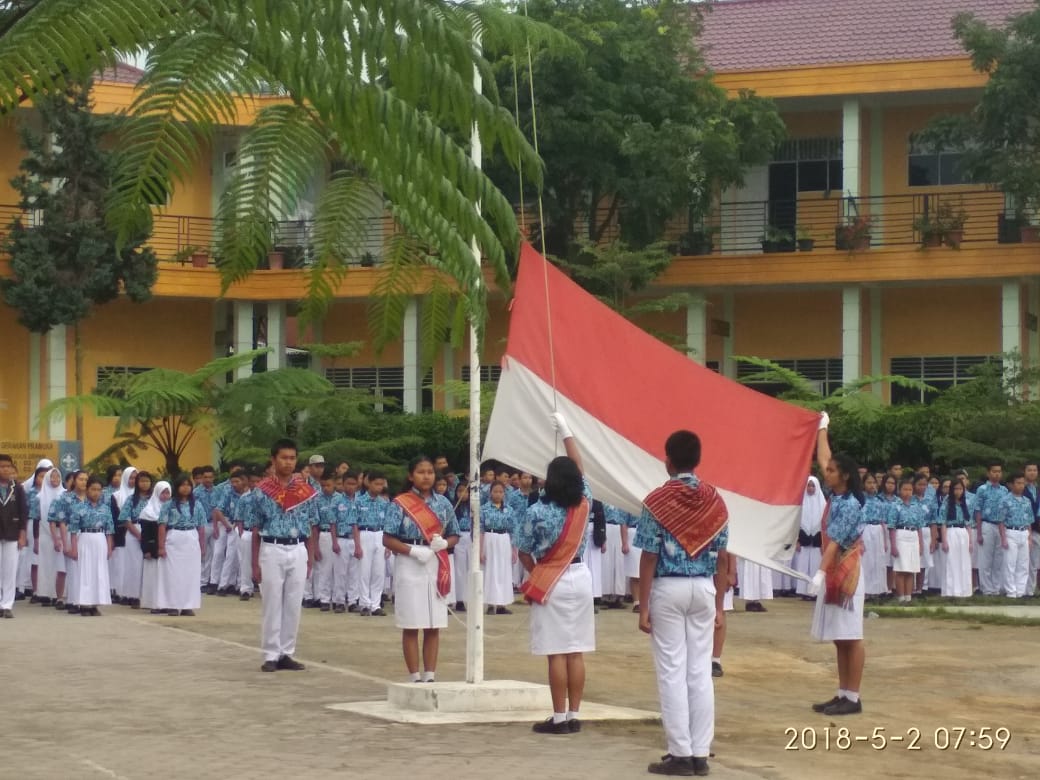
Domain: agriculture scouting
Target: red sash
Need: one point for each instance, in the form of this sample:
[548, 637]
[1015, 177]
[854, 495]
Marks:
[551, 567]
[429, 524]
[297, 492]
[693, 515]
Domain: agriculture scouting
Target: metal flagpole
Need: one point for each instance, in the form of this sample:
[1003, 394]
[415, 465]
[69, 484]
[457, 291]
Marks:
[475, 602]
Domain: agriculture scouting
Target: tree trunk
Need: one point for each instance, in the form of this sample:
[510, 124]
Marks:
[173, 464]
[78, 377]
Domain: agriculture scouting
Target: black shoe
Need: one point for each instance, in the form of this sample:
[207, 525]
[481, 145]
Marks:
[72, 609]
[84, 612]
[19, 596]
[187, 613]
[616, 604]
[635, 608]
[135, 603]
[825, 704]
[700, 766]
[269, 666]
[460, 607]
[8, 614]
[290, 664]
[339, 609]
[670, 765]
[574, 725]
[325, 607]
[34, 600]
[378, 612]
[157, 612]
[491, 610]
[353, 608]
[58, 604]
[45, 601]
[95, 612]
[244, 597]
[716, 669]
[629, 599]
[366, 612]
[211, 590]
[754, 606]
[172, 612]
[844, 707]
[503, 611]
[548, 727]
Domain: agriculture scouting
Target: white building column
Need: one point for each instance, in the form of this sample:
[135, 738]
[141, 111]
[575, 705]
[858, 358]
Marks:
[877, 173]
[697, 329]
[851, 335]
[851, 152]
[57, 378]
[729, 365]
[35, 349]
[410, 356]
[276, 335]
[876, 339]
[1010, 320]
[242, 335]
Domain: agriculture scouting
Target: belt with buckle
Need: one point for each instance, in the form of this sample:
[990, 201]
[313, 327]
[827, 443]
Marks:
[495, 531]
[91, 530]
[281, 539]
[324, 528]
[906, 528]
[418, 542]
[377, 528]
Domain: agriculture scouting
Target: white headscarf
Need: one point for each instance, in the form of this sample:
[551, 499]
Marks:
[124, 491]
[49, 494]
[153, 508]
[27, 485]
[812, 508]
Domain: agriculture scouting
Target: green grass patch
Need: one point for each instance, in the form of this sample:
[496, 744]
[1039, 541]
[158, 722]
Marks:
[940, 613]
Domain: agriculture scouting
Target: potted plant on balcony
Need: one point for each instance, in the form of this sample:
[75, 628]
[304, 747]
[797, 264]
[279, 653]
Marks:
[774, 240]
[854, 235]
[276, 258]
[805, 240]
[952, 223]
[367, 260]
[199, 256]
[931, 230]
[699, 241]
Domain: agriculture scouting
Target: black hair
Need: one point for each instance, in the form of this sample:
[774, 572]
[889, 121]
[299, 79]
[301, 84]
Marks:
[376, 474]
[137, 487]
[884, 484]
[951, 506]
[440, 475]
[919, 476]
[235, 464]
[683, 449]
[487, 465]
[993, 464]
[329, 473]
[256, 470]
[6, 459]
[39, 471]
[110, 473]
[907, 481]
[283, 444]
[847, 467]
[1016, 475]
[563, 483]
[502, 468]
[413, 464]
[175, 486]
[196, 472]
[206, 470]
[238, 471]
[95, 480]
[351, 474]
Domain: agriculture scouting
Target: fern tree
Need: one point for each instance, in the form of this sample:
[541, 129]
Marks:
[381, 90]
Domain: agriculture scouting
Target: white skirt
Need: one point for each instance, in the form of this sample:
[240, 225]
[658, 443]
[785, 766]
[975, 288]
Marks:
[498, 569]
[133, 559]
[831, 622]
[805, 561]
[614, 563]
[926, 553]
[180, 572]
[566, 622]
[756, 582]
[150, 584]
[92, 584]
[50, 564]
[909, 546]
[875, 569]
[416, 601]
[593, 559]
[463, 549]
[72, 578]
[115, 569]
[957, 579]
[632, 558]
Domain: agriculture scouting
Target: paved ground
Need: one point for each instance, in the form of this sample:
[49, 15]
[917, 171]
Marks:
[134, 696]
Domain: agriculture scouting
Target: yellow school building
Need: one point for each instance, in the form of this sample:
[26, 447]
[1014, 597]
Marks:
[853, 83]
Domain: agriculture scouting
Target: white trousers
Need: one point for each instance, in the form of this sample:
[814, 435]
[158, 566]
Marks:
[1034, 564]
[323, 569]
[957, 581]
[463, 550]
[218, 552]
[245, 562]
[48, 566]
[614, 581]
[343, 590]
[682, 616]
[207, 561]
[1016, 562]
[874, 560]
[26, 560]
[991, 560]
[283, 572]
[593, 558]
[116, 565]
[8, 573]
[372, 573]
[133, 562]
[232, 553]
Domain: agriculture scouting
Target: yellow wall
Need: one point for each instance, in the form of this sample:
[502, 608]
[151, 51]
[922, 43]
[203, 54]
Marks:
[158, 334]
[14, 378]
[785, 325]
[10, 156]
[963, 320]
[348, 321]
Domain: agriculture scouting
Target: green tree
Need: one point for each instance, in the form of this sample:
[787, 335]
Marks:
[631, 125]
[65, 259]
[164, 409]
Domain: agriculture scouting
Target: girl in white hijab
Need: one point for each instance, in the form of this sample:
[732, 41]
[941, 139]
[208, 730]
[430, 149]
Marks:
[28, 560]
[50, 574]
[150, 546]
[807, 553]
[117, 562]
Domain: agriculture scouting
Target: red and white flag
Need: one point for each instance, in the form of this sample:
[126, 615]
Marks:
[623, 393]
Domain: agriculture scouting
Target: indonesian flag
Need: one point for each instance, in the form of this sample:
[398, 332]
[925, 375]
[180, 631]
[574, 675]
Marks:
[623, 393]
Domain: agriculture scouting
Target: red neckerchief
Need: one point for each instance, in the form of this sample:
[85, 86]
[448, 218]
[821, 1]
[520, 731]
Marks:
[297, 492]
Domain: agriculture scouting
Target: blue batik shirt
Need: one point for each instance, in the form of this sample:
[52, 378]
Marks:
[1016, 512]
[34, 504]
[243, 511]
[913, 516]
[207, 498]
[875, 511]
[672, 558]
[518, 502]
[269, 519]
[617, 516]
[400, 525]
[927, 507]
[131, 512]
[988, 500]
[86, 515]
[493, 518]
[371, 511]
[227, 501]
[464, 519]
[542, 525]
[962, 517]
[336, 512]
[182, 516]
[846, 521]
[65, 507]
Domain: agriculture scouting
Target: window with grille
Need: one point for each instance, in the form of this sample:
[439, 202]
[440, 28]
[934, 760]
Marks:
[109, 379]
[942, 373]
[929, 165]
[817, 162]
[823, 373]
[487, 373]
[712, 365]
[385, 383]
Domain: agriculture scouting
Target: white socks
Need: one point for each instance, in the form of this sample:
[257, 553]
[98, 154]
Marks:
[559, 717]
[852, 696]
[716, 660]
[841, 693]
[414, 677]
[572, 715]
[427, 676]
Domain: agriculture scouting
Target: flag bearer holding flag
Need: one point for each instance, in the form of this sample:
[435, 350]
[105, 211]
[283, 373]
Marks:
[682, 531]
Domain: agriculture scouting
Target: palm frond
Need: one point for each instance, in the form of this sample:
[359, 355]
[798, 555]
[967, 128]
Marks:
[403, 264]
[858, 385]
[773, 372]
[226, 365]
[333, 351]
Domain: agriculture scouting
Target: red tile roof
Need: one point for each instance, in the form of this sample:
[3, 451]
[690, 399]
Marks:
[121, 74]
[767, 34]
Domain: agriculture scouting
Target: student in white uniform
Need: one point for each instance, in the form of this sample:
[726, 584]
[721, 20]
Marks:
[956, 536]
[615, 582]
[875, 541]
[75, 494]
[182, 548]
[756, 585]
[130, 519]
[150, 515]
[807, 552]
[498, 524]
[90, 529]
[50, 578]
[371, 508]
[464, 547]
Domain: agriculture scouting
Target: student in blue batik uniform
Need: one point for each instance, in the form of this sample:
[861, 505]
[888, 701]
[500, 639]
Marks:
[70, 501]
[905, 525]
[988, 500]
[929, 534]
[284, 518]
[875, 541]
[464, 547]
[419, 600]
[328, 505]
[838, 616]
[243, 519]
[1033, 494]
[563, 627]
[1016, 516]
[632, 558]
[91, 530]
[130, 520]
[955, 530]
[681, 604]
[613, 559]
[205, 495]
[182, 540]
[223, 562]
[341, 515]
[370, 508]
[498, 524]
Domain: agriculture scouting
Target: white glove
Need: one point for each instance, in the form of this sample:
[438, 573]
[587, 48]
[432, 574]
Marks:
[560, 426]
[825, 421]
[817, 582]
[422, 554]
[438, 543]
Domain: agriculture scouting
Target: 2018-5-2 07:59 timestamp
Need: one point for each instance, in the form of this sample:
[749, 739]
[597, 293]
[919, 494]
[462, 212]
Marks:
[943, 738]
